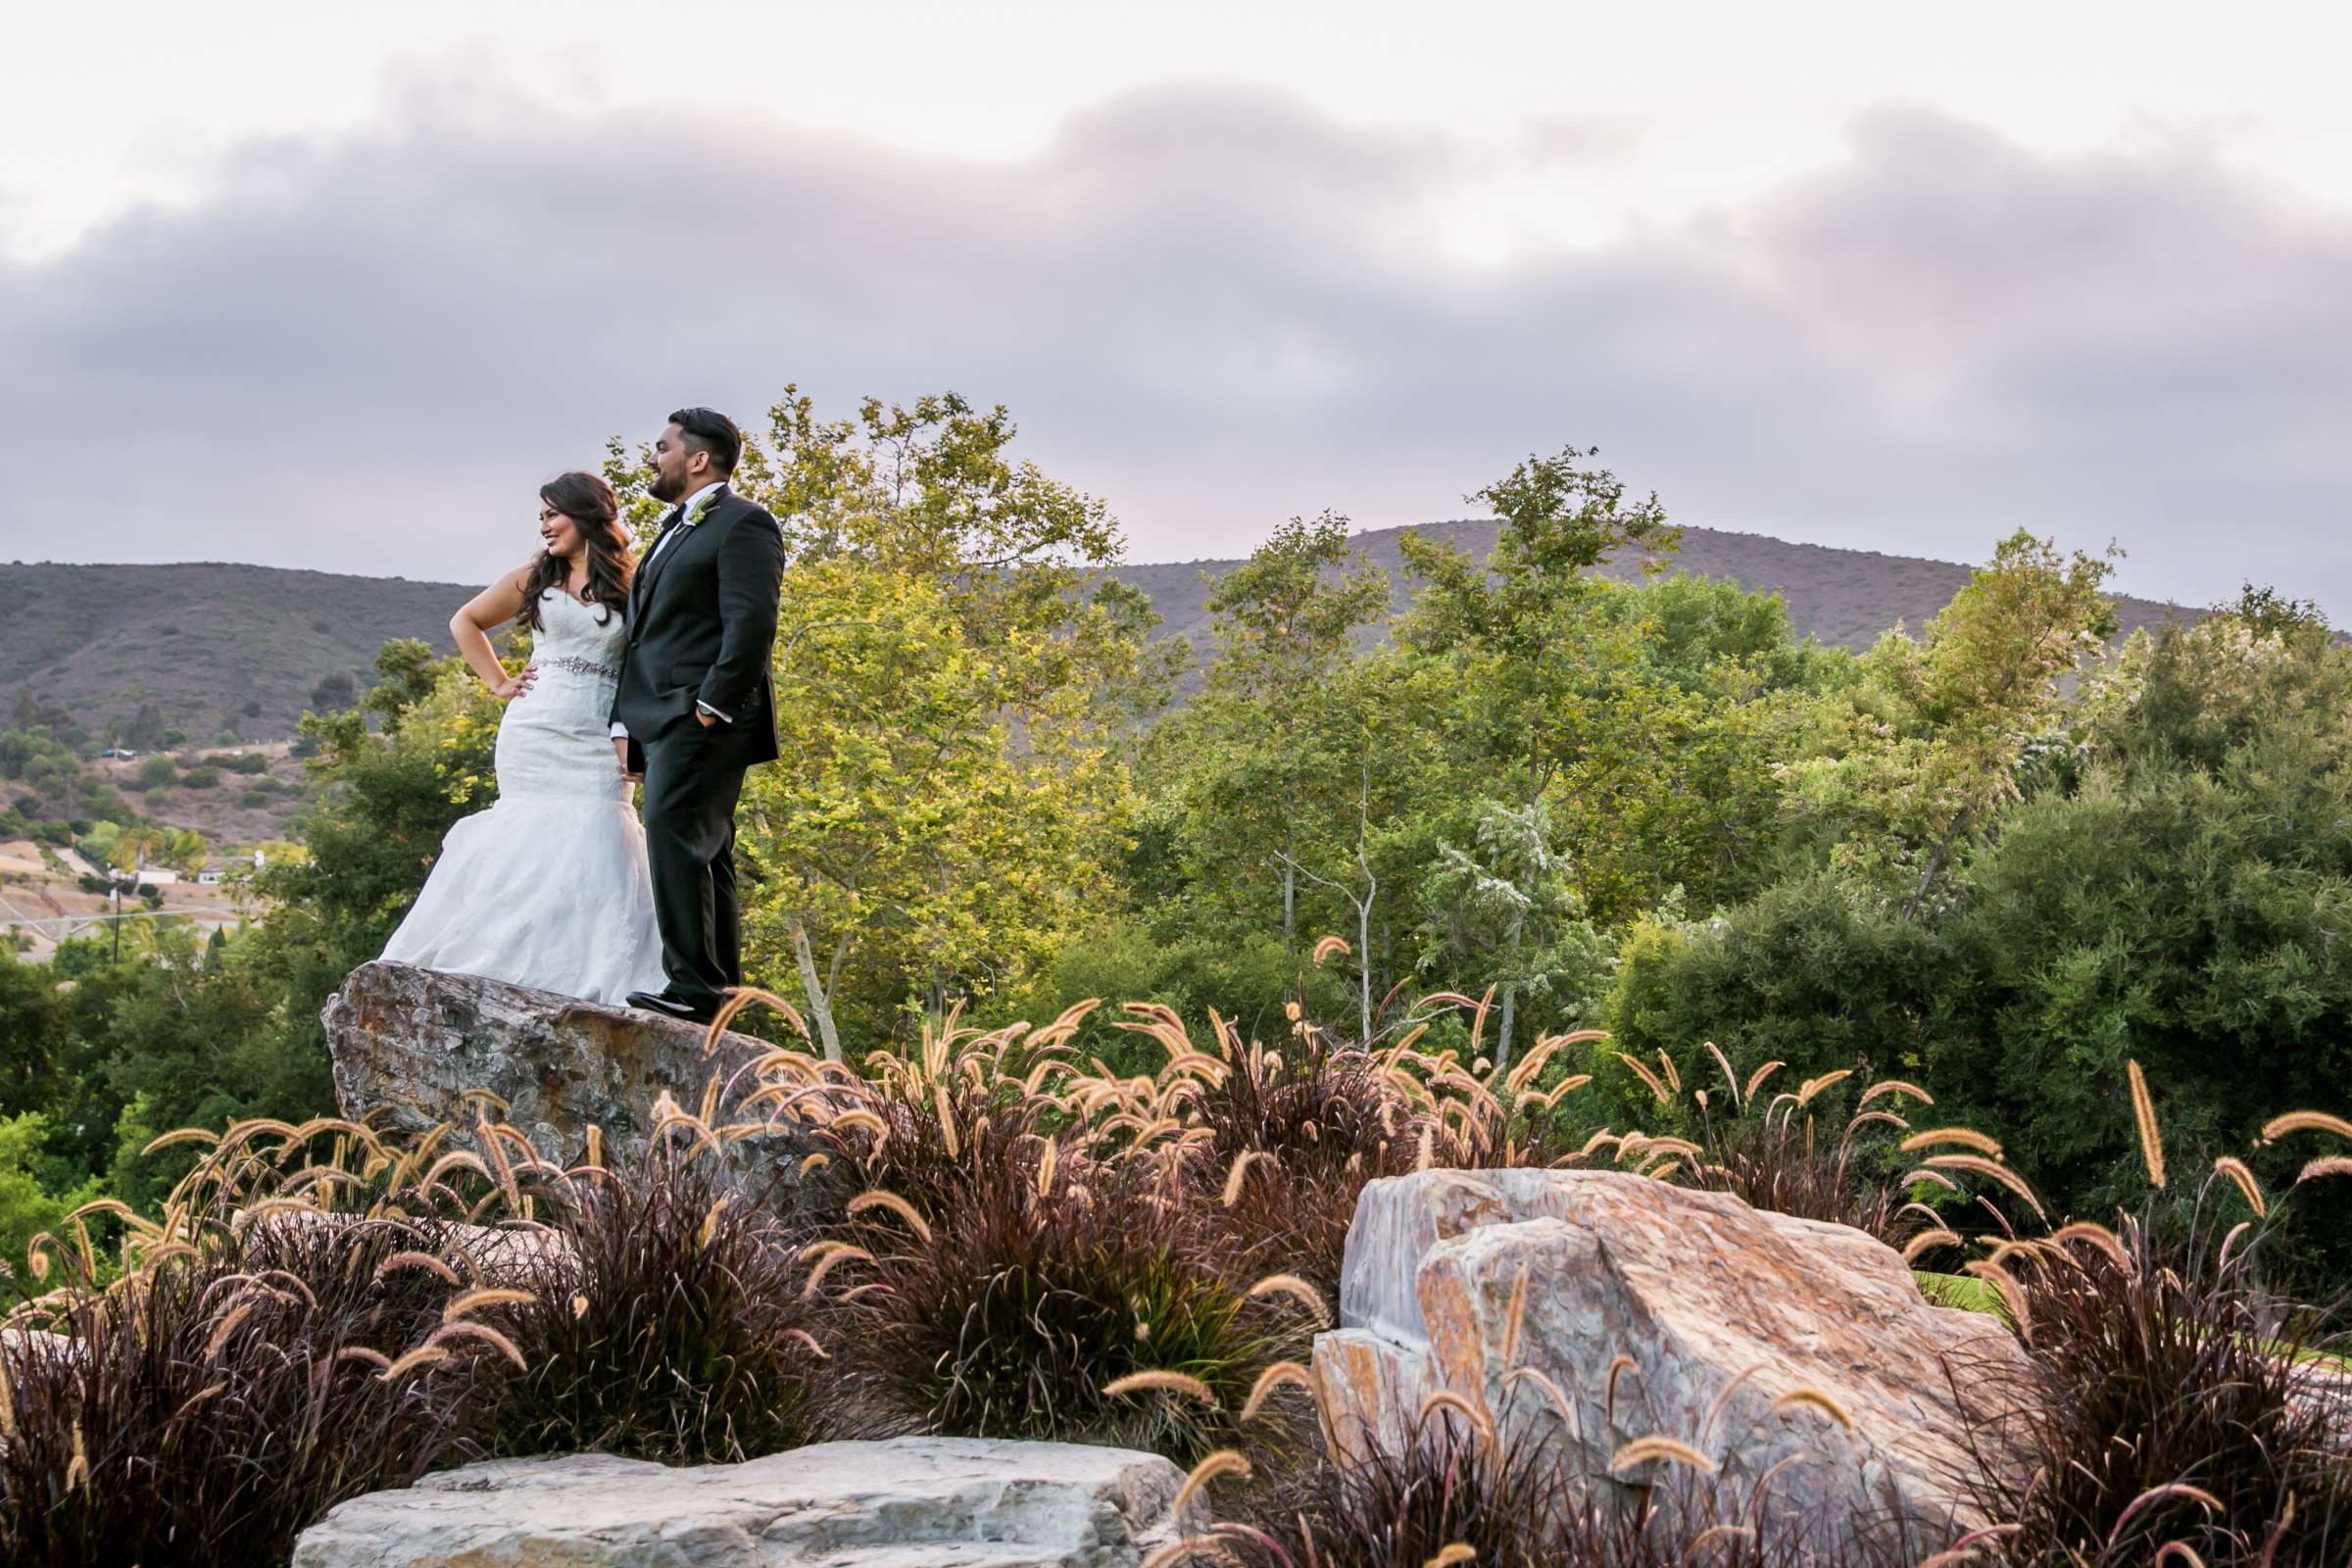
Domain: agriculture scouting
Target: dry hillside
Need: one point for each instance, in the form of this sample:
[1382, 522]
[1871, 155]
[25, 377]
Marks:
[214, 648]
[1846, 597]
[238, 648]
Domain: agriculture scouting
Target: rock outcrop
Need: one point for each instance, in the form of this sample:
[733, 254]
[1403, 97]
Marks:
[410, 1045]
[1792, 1354]
[912, 1502]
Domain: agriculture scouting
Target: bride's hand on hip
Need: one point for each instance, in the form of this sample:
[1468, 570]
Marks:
[507, 688]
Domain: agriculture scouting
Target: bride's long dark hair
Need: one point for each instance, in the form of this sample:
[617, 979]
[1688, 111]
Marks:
[595, 514]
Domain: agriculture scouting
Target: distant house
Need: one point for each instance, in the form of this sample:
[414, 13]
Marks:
[209, 877]
[153, 877]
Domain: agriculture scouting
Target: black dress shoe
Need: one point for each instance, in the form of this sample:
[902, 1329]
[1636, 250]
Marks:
[669, 1006]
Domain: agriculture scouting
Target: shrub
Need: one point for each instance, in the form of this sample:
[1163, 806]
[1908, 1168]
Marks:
[1015, 1308]
[240, 762]
[254, 797]
[1316, 1105]
[201, 778]
[1500, 1506]
[155, 773]
[1772, 1161]
[2163, 1407]
[1291, 1141]
[1807, 974]
[673, 1329]
[213, 1407]
[105, 804]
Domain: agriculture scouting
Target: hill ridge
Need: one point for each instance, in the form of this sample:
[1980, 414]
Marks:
[233, 648]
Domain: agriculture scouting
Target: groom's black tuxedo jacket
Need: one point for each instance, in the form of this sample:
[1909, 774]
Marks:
[702, 625]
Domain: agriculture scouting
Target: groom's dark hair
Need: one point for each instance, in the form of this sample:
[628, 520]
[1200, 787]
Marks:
[708, 430]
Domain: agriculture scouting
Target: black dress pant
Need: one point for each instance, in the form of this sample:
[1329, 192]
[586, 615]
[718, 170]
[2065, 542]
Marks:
[691, 784]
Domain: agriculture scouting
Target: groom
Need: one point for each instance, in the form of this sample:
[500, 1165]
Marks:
[696, 706]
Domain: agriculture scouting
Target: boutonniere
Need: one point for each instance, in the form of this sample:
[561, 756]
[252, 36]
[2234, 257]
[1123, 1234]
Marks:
[693, 514]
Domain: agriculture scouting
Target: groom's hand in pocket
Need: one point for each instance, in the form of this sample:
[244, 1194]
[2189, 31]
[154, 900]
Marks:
[620, 754]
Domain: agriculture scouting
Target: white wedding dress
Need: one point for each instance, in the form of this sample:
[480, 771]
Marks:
[549, 887]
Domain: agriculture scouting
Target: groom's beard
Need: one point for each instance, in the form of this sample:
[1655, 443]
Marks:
[665, 490]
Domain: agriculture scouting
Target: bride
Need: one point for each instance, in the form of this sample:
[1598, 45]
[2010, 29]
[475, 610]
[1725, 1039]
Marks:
[549, 887]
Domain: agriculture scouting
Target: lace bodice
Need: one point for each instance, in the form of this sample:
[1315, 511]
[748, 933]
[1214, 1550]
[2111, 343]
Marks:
[572, 635]
[554, 742]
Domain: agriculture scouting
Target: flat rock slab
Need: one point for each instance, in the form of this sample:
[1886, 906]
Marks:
[911, 1503]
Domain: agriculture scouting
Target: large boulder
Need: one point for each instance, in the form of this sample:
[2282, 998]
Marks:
[411, 1046]
[1794, 1355]
[912, 1502]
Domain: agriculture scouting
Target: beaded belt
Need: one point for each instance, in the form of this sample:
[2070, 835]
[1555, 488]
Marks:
[580, 667]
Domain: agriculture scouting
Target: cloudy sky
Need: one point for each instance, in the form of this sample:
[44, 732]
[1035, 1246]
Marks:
[337, 286]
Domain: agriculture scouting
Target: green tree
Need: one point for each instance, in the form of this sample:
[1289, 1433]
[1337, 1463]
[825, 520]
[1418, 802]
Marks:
[916, 843]
[37, 1192]
[1505, 909]
[1805, 973]
[145, 731]
[334, 693]
[184, 850]
[1262, 789]
[1929, 749]
[2182, 907]
[1535, 661]
[955, 682]
[34, 1043]
[1564, 691]
[2173, 895]
[135, 846]
[205, 1033]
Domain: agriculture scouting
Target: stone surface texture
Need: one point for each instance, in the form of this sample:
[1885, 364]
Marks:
[509, 1254]
[912, 1502]
[409, 1044]
[20, 1348]
[1722, 1312]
